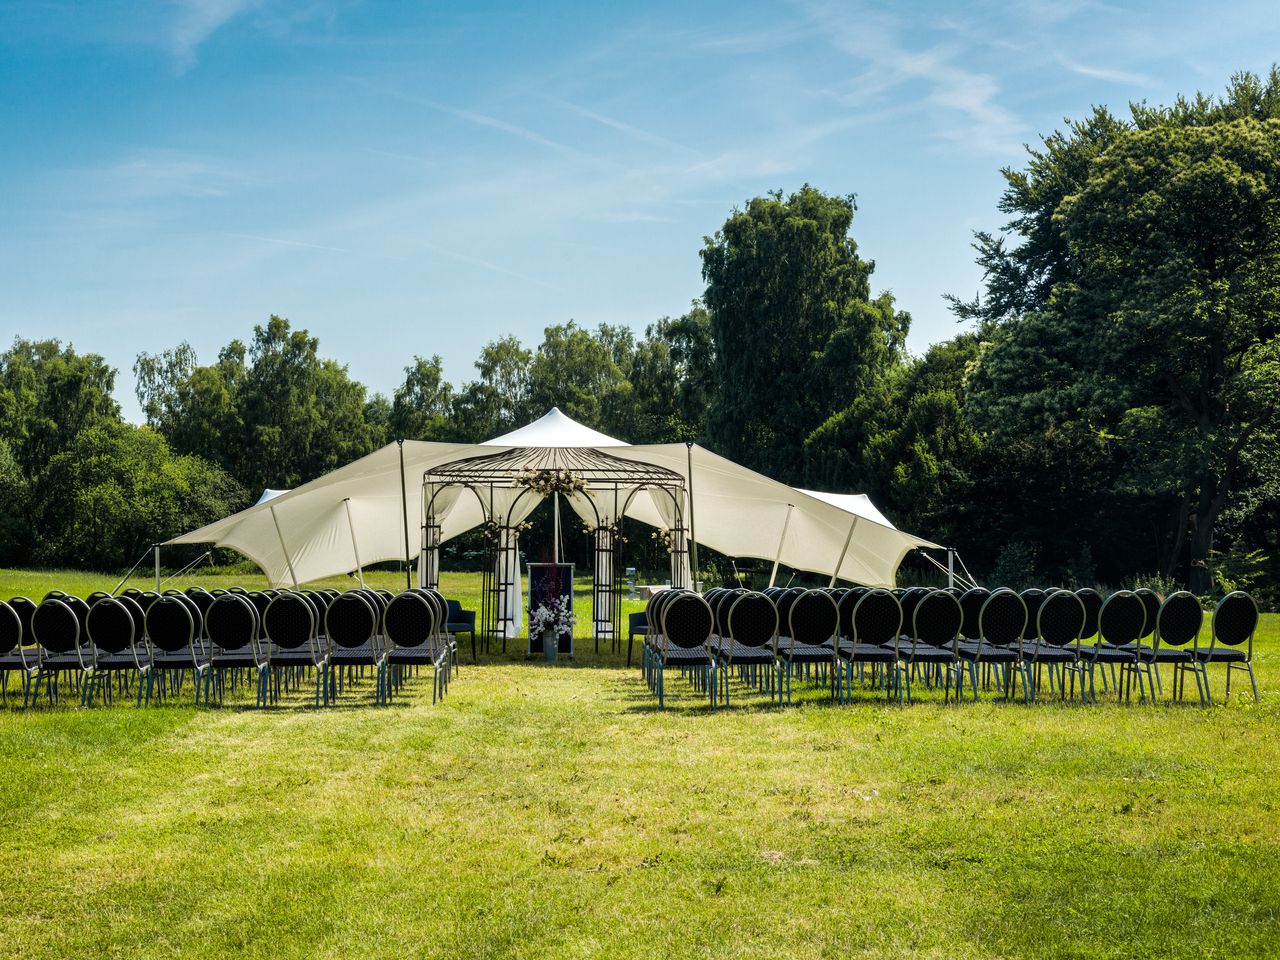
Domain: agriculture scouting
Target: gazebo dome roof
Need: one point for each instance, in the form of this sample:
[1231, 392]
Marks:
[554, 429]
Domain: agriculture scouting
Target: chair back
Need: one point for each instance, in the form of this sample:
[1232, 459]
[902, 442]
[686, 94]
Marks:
[97, 595]
[111, 626]
[937, 618]
[410, 619]
[1179, 619]
[845, 604]
[1122, 619]
[687, 620]
[171, 623]
[783, 601]
[260, 602]
[1092, 601]
[351, 621]
[10, 629]
[290, 621]
[971, 602]
[231, 622]
[1151, 604]
[25, 608]
[910, 599]
[877, 618]
[752, 620]
[1235, 619]
[813, 618]
[1003, 618]
[1033, 598]
[1061, 618]
[55, 626]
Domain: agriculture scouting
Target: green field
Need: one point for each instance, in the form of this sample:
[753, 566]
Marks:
[552, 811]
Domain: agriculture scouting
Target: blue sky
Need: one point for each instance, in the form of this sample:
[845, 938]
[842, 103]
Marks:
[416, 178]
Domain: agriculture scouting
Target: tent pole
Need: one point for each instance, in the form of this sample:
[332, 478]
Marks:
[555, 537]
[843, 550]
[693, 535]
[354, 547]
[157, 568]
[781, 540]
[404, 506]
[951, 567]
[283, 549]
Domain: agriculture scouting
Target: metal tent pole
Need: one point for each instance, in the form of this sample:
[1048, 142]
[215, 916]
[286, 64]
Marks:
[951, 567]
[835, 571]
[283, 549]
[555, 541]
[781, 540]
[157, 568]
[404, 506]
[693, 534]
[355, 548]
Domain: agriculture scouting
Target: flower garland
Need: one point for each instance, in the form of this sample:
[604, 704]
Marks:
[492, 530]
[663, 535]
[549, 481]
[615, 529]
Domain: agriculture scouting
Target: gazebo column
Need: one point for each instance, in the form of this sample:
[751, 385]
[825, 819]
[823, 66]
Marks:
[603, 586]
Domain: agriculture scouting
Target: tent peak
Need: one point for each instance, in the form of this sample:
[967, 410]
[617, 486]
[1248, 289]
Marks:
[554, 429]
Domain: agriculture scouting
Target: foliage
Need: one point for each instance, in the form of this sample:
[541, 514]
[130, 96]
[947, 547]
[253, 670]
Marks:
[797, 333]
[116, 488]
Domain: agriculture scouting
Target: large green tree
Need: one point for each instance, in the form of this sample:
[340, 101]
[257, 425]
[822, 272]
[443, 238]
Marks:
[796, 331]
[1157, 335]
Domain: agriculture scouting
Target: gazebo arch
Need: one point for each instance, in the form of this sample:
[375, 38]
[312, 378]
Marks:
[510, 483]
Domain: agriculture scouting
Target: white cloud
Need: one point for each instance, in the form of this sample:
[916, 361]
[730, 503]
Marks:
[1104, 73]
[197, 21]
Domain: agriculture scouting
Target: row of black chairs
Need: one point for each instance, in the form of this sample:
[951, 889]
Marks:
[948, 638]
[274, 640]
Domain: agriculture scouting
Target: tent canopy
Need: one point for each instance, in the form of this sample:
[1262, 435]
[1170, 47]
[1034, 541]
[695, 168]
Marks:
[356, 515]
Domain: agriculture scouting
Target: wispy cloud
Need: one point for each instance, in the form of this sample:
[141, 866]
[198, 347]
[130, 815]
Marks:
[168, 174]
[286, 243]
[197, 21]
[874, 40]
[1105, 73]
[634, 132]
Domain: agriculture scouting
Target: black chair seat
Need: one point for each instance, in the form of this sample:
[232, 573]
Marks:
[13, 661]
[865, 652]
[686, 656]
[60, 661]
[1221, 655]
[364, 654]
[742, 654]
[803, 652]
[234, 659]
[987, 653]
[926, 654]
[291, 657]
[1050, 654]
[116, 661]
[1164, 655]
[425, 654]
[1107, 654]
[177, 659]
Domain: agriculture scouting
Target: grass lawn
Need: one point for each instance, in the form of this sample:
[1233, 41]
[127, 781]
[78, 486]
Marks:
[552, 811]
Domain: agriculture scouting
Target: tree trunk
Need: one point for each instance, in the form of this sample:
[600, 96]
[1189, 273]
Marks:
[1200, 575]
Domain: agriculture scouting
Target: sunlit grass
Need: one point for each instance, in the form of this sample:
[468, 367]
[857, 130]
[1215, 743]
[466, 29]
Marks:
[552, 811]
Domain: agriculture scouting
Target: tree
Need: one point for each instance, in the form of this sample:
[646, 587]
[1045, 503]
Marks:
[1161, 341]
[272, 414]
[581, 373]
[48, 394]
[119, 488]
[422, 404]
[795, 329]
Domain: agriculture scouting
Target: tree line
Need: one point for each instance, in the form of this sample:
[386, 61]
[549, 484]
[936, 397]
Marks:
[1109, 410]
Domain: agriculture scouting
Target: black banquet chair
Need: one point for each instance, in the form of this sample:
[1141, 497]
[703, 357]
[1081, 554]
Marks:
[1235, 619]
[935, 631]
[875, 622]
[811, 621]
[353, 624]
[115, 626]
[1178, 622]
[411, 626]
[746, 641]
[235, 646]
[1060, 621]
[1121, 621]
[1000, 620]
[687, 626]
[173, 629]
[18, 652]
[292, 625]
[58, 630]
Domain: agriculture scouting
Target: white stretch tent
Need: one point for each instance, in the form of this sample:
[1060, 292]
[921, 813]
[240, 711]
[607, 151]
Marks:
[371, 511]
